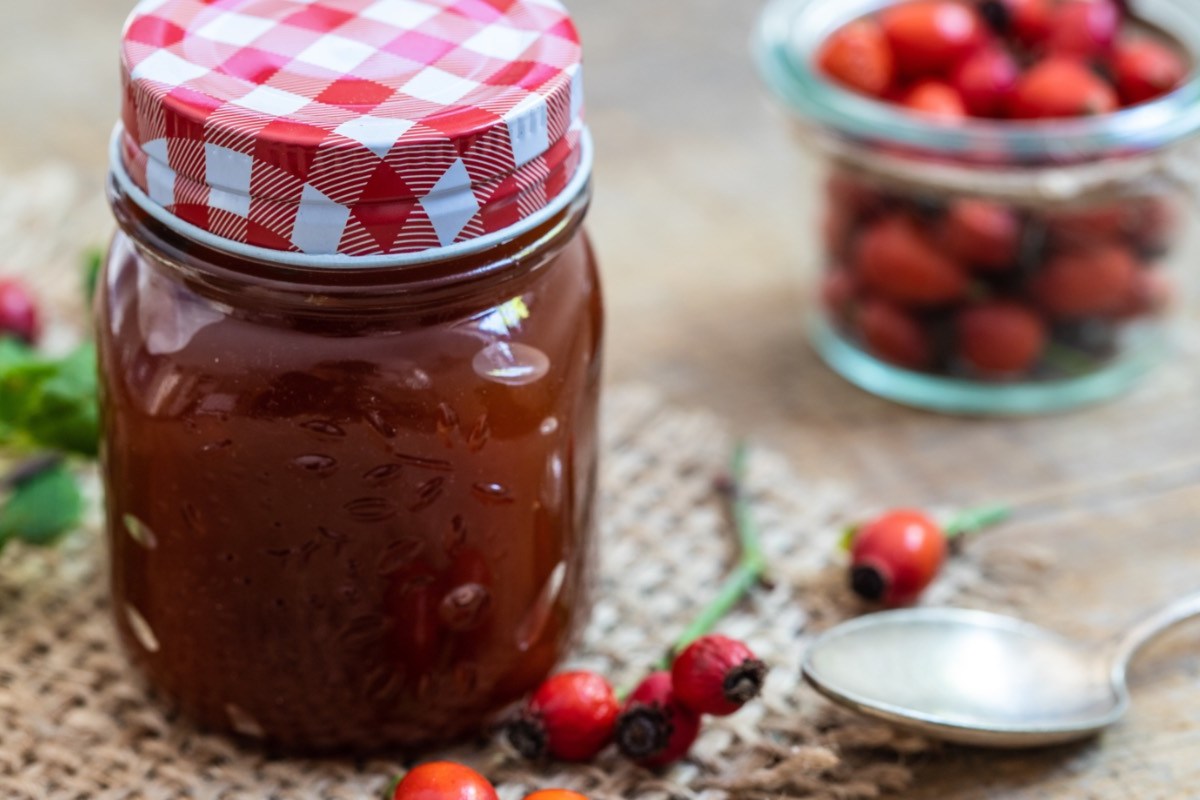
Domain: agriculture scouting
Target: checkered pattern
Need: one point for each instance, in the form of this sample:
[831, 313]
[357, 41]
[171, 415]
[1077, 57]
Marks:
[358, 127]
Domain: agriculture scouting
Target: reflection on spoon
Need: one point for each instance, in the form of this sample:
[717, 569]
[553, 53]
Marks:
[979, 678]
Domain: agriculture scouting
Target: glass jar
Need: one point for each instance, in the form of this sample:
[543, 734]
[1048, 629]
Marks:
[350, 496]
[987, 267]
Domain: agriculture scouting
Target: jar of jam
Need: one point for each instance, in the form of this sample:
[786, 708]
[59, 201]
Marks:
[349, 336]
[999, 195]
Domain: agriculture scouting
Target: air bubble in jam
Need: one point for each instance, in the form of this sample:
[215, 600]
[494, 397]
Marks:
[479, 435]
[141, 629]
[316, 464]
[399, 554]
[242, 722]
[371, 509]
[447, 423]
[531, 627]
[428, 493]
[383, 474]
[323, 427]
[492, 493]
[140, 532]
[456, 537]
[511, 363]
[465, 607]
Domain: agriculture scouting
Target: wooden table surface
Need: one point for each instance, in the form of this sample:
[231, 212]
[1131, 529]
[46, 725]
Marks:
[700, 224]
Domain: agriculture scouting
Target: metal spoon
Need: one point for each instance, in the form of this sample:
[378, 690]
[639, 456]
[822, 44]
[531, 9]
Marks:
[978, 678]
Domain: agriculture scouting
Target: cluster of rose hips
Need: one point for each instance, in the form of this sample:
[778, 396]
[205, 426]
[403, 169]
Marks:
[446, 780]
[573, 716]
[1015, 59]
[18, 312]
[973, 287]
[981, 289]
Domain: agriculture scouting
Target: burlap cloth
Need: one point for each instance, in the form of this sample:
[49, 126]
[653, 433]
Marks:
[76, 723]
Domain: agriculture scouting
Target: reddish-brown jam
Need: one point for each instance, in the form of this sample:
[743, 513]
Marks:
[348, 509]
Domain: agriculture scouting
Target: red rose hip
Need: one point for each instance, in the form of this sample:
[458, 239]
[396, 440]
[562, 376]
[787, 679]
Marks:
[570, 717]
[1084, 28]
[1091, 282]
[930, 37]
[897, 259]
[1060, 87]
[896, 556]
[936, 99]
[893, 335]
[1000, 338]
[859, 57]
[1145, 69]
[717, 675]
[443, 780]
[985, 81]
[18, 312]
[983, 234]
[655, 728]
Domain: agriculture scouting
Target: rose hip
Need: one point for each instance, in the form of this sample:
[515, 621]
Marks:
[1000, 338]
[985, 81]
[1084, 28]
[896, 556]
[859, 56]
[1062, 86]
[717, 675]
[892, 335]
[655, 728]
[444, 780]
[897, 259]
[1031, 21]
[937, 99]
[982, 234]
[930, 37]
[18, 312]
[556, 794]
[1091, 282]
[571, 717]
[1145, 69]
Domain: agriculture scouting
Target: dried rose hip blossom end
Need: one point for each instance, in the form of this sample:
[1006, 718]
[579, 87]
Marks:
[655, 728]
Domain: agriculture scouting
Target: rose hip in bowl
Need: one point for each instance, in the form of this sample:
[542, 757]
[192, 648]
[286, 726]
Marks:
[1000, 209]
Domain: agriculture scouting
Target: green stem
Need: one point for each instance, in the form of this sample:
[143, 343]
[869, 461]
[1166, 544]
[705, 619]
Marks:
[748, 572]
[976, 519]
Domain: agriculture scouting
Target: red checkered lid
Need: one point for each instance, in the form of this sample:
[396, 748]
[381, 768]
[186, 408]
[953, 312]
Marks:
[350, 127]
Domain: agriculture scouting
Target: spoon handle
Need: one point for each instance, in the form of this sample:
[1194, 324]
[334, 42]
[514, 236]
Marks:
[1150, 628]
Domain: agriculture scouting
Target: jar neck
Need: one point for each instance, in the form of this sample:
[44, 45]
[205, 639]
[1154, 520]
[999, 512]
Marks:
[236, 282]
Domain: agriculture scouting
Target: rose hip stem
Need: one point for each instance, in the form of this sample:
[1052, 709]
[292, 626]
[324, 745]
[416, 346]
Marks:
[748, 572]
[964, 522]
[976, 519]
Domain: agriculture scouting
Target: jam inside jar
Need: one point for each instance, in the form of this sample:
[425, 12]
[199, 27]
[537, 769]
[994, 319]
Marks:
[349, 334]
[348, 510]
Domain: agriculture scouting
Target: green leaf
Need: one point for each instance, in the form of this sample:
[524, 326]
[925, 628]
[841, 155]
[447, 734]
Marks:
[48, 403]
[43, 508]
[846, 541]
[93, 261]
[67, 417]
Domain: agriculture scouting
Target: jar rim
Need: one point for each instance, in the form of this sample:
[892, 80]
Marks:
[790, 32]
[569, 194]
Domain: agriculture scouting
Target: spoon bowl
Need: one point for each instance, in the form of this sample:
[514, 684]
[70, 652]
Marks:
[981, 679]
